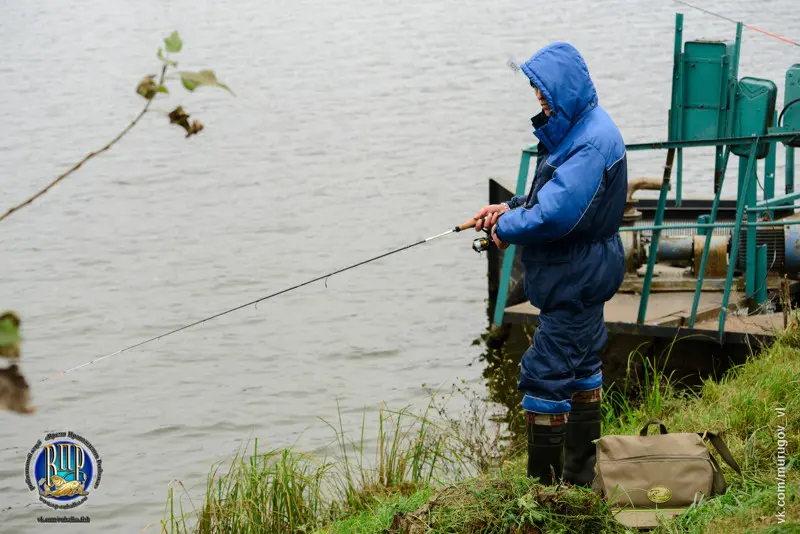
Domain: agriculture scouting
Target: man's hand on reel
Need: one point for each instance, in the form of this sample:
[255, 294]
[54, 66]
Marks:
[486, 221]
[487, 216]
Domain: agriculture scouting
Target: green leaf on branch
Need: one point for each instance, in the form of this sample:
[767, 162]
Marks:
[8, 332]
[189, 85]
[173, 43]
[162, 89]
[165, 60]
[192, 80]
[9, 335]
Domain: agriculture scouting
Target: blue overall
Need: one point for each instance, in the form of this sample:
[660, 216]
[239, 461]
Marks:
[568, 225]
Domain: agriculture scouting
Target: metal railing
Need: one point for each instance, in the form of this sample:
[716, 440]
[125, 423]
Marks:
[746, 202]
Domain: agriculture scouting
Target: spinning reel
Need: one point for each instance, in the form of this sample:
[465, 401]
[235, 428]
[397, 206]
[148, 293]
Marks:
[482, 244]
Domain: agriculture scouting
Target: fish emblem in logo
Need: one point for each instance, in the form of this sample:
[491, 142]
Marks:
[65, 467]
[59, 487]
[659, 494]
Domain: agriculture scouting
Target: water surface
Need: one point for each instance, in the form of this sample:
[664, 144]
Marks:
[357, 127]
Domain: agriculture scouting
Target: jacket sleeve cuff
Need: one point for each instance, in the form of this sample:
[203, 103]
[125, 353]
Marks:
[515, 202]
[498, 229]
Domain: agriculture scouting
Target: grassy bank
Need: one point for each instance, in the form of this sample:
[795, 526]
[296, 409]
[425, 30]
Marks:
[434, 474]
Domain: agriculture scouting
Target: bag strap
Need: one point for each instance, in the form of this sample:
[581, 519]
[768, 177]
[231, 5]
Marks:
[653, 422]
[720, 487]
[722, 449]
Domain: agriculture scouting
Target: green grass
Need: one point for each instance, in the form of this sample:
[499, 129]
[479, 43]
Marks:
[745, 507]
[411, 452]
[430, 474]
[380, 515]
[506, 500]
[274, 491]
[283, 490]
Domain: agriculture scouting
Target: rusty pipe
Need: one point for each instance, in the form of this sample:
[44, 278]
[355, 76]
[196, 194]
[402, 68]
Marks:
[631, 213]
[651, 184]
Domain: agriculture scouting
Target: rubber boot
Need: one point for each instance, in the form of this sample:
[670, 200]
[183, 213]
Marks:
[546, 452]
[582, 427]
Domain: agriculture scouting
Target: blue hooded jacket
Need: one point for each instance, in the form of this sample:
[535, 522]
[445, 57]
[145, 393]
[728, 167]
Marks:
[569, 221]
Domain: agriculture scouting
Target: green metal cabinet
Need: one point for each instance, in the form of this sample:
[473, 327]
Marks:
[791, 118]
[754, 112]
[706, 73]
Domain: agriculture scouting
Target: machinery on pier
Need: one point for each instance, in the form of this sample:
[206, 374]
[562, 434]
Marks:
[684, 248]
[701, 248]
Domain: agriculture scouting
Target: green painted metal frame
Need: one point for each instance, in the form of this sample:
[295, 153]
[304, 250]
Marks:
[659, 218]
[769, 167]
[789, 169]
[778, 202]
[734, 79]
[750, 195]
[676, 110]
[745, 198]
[686, 226]
[776, 136]
[762, 272]
[711, 219]
[719, 169]
[782, 207]
[679, 179]
[511, 251]
[742, 171]
[748, 177]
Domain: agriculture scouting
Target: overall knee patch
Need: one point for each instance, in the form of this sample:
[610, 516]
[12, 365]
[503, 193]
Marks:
[588, 396]
[546, 419]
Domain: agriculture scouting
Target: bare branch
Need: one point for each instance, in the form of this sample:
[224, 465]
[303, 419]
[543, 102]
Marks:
[89, 156]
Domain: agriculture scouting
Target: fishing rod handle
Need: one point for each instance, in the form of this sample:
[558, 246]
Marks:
[468, 224]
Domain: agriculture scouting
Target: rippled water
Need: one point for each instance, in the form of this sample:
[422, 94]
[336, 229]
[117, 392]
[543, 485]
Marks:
[357, 127]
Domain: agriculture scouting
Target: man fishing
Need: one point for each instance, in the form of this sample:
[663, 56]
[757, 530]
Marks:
[568, 225]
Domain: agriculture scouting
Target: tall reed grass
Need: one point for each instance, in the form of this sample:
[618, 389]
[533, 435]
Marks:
[282, 490]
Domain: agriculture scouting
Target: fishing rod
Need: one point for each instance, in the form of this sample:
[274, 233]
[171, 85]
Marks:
[479, 245]
[748, 26]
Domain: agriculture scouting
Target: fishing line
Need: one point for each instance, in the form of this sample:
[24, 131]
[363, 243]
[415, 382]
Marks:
[748, 26]
[468, 224]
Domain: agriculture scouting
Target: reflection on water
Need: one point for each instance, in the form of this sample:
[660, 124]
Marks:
[503, 349]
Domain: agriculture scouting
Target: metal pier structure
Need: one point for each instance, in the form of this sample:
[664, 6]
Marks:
[725, 270]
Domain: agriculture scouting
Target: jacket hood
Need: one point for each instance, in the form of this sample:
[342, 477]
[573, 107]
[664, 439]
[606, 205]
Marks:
[560, 73]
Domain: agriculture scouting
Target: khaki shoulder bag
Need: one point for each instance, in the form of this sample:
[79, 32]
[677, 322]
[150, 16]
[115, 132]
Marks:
[643, 476]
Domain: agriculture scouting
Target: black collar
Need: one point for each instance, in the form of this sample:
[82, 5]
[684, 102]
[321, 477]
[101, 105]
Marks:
[539, 120]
